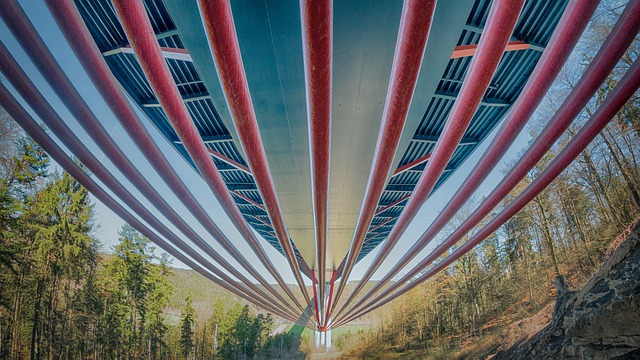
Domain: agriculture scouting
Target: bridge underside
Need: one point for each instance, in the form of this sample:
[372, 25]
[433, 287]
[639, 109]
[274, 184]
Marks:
[321, 126]
[364, 39]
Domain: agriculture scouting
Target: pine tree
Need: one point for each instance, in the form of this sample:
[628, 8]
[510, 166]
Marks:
[186, 328]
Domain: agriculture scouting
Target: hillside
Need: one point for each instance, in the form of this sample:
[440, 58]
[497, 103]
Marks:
[598, 321]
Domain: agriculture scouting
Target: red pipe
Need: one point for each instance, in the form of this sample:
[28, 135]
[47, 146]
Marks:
[412, 40]
[138, 28]
[37, 50]
[52, 119]
[611, 51]
[218, 21]
[70, 21]
[326, 317]
[316, 301]
[317, 41]
[500, 23]
[618, 97]
[569, 30]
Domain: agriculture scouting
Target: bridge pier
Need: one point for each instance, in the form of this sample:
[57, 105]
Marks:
[323, 339]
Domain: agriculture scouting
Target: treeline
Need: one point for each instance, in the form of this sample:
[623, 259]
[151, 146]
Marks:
[566, 230]
[234, 332]
[61, 299]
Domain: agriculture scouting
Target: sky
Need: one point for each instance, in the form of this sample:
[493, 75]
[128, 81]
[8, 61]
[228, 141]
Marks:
[109, 223]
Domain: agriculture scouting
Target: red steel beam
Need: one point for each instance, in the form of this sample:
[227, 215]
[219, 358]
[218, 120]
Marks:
[223, 40]
[317, 35]
[470, 50]
[500, 23]
[70, 22]
[27, 90]
[388, 206]
[247, 199]
[168, 53]
[617, 42]
[263, 222]
[326, 316]
[415, 24]
[28, 37]
[138, 28]
[381, 224]
[614, 102]
[17, 112]
[411, 165]
[230, 161]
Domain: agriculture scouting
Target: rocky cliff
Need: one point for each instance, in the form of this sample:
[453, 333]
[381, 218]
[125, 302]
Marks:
[599, 321]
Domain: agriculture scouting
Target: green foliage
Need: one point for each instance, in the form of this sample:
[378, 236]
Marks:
[60, 300]
[240, 332]
[136, 289]
[47, 257]
[186, 328]
[565, 230]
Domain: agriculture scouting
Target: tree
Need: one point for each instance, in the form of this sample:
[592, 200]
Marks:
[186, 328]
[23, 171]
[135, 291]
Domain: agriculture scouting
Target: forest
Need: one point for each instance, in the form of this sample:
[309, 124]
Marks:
[566, 230]
[63, 297]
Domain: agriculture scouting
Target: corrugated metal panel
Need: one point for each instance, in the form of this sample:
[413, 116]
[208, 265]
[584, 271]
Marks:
[106, 30]
[535, 26]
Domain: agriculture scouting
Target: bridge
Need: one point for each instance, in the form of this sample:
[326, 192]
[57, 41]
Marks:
[320, 127]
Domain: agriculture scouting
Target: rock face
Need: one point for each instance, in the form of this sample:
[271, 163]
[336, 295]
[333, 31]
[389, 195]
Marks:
[600, 321]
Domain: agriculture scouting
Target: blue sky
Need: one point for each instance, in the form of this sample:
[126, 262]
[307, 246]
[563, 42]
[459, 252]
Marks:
[109, 223]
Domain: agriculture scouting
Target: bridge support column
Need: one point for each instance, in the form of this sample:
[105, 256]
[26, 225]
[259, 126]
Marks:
[323, 339]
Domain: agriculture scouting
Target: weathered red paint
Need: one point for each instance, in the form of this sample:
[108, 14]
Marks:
[223, 40]
[38, 103]
[317, 44]
[618, 97]
[412, 40]
[613, 48]
[500, 23]
[470, 50]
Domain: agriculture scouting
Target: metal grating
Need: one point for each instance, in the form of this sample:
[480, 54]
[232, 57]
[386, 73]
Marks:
[535, 27]
[104, 25]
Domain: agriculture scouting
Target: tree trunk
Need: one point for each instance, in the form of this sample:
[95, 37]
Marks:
[623, 171]
[546, 234]
[600, 190]
[36, 321]
[16, 321]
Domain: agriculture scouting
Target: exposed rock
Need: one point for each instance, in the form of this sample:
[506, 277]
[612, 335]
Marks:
[600, 321]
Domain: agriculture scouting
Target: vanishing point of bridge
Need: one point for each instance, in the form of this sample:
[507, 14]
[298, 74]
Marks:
[319, 127]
